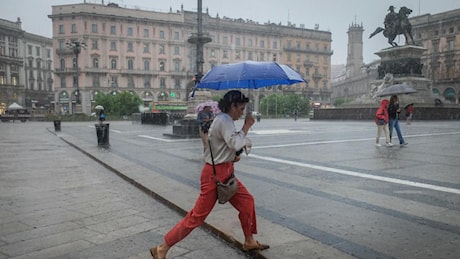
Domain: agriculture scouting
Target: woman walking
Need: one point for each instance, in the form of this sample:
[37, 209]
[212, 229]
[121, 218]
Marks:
[393, 113]
[381, 120]
[225, 142]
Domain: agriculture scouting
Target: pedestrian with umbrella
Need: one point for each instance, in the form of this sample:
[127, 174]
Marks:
[220, 156]
[393, 112]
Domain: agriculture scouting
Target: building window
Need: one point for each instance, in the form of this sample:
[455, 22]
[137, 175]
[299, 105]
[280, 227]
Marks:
[130, 82]
[146, 65]
[74, 28]
[250, 55]
[96, 82]
[275, 45]
[162, 65]
[177, 83]
[74, 63]
[63, 84]
[237, 55]
[61, 29]
[213, 53]
[113, 45]
[130, 64]
[225, 54]
[94, 45]
[95, 63]
[113, 30]
[162, 83]
[62, 64]
[114, 83]
[147, 82]
[113, 64]
[146, 47]
[176, 35]
[162, 49]
[130, 46]
[37, 51]
[146, 33]
[61, 44]
[94, 28]
[162, 34]
[225, 40]
[30, 49]
[176, 50]
[237, 41]
[177, 66]
[130, 31]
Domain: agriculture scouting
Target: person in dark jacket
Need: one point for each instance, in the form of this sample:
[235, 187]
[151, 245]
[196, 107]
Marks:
[393, 113]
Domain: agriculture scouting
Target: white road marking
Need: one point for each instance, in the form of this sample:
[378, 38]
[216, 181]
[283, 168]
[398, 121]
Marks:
[277, 131]
[345, 141]
[358, 174]
[167, 140]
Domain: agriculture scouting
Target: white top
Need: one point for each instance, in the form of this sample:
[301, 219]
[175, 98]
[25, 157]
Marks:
[225, 140]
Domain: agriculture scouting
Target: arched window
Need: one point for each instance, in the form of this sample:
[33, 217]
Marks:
[95, 63]
[114, 63]
[130, 64]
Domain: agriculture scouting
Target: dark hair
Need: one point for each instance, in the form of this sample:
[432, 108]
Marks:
[233, 96]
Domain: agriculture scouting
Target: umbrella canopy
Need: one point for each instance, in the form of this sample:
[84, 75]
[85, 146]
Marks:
[99, 107]
[15, 106]
[396, 90]
[249, 74]
[213, 104]
[408, 105]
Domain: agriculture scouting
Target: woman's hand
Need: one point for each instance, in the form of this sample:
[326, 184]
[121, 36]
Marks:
[248, 122]
[237, 158]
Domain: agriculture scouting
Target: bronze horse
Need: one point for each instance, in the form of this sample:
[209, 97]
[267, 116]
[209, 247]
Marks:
[401, 26]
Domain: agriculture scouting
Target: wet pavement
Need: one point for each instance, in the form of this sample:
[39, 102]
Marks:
[322, 190]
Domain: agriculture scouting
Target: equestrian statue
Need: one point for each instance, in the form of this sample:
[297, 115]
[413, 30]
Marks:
[396, 24]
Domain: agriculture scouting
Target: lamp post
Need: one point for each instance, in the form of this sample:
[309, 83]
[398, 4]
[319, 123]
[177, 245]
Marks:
[76, 47]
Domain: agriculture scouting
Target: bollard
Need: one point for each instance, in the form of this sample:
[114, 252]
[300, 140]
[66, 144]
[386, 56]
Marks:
[57, 125]
[102, 133]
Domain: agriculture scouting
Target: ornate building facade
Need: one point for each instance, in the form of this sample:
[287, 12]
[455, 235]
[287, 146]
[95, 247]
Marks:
[147, 53]
[26, 69]
[440, 35]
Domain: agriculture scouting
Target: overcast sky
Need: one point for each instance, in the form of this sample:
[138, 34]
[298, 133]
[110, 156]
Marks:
[331, 15]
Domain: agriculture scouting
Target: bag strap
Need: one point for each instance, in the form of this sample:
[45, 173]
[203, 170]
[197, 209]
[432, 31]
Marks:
[213, 165]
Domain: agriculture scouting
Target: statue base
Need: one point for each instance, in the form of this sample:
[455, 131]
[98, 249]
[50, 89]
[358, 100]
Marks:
[188, 127]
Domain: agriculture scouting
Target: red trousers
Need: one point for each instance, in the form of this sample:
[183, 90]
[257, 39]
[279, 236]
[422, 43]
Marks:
[243, 201]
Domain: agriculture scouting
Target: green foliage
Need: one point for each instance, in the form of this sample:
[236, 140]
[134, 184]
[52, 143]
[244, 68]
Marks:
[282, 105]
[339, 101]
[121, 104]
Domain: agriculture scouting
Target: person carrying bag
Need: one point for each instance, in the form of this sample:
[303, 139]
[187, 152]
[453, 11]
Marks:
[225, 144]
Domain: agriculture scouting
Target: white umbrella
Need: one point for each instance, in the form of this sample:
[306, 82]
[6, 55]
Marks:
[15, 106]
[99, 107]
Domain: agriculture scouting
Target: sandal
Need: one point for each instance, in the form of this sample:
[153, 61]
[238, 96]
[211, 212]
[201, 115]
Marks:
[154, 252]
[258, 246]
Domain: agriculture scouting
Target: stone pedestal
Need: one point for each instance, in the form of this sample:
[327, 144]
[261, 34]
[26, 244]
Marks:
[188, 127]
[402, 65]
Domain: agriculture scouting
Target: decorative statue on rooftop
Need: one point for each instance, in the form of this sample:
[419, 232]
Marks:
[396, 24]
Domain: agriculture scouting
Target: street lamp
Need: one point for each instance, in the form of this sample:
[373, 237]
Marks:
[76, 47]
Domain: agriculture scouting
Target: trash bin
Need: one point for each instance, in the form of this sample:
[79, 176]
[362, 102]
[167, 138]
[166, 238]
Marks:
[102, 133]
[57, 125]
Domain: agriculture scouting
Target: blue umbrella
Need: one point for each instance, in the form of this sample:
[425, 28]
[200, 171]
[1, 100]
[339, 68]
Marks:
[249, 74]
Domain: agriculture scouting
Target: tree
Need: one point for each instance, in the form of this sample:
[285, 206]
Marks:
[282, 105]
[121, 104]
